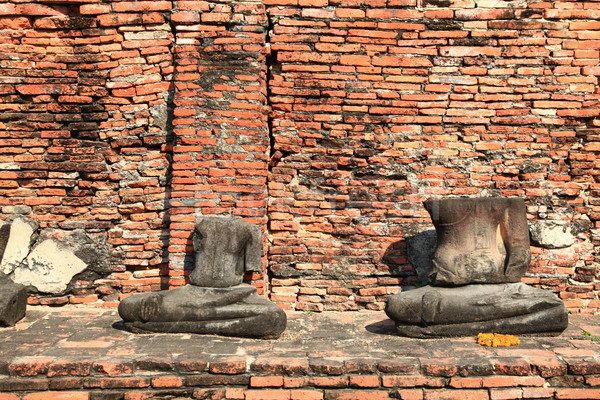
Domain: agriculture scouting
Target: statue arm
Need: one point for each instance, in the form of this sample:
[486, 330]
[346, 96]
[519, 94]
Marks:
[253, 251]
[515, 234]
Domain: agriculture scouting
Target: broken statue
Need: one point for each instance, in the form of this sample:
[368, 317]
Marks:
[216, 301]
[13, 301]
[13, 296]
[482, 253]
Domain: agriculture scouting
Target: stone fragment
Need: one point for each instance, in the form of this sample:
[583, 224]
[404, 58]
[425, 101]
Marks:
[552, 234]
[510, 308]
[17, 241]
[92, 250]
[13, 301]
[49, 267]
[4, 235]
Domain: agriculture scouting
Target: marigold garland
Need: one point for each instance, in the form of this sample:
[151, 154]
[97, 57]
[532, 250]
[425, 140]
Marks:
[497, 340]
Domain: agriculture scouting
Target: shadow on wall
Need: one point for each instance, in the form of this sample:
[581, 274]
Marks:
[419, 250]
[164, 120]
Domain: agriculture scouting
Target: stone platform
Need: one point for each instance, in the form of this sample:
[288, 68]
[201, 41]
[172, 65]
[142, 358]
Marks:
[79, 352]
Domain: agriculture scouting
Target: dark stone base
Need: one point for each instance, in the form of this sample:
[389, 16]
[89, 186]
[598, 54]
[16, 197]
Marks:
[13, 302]
[264, 327]
[236, 311]
[513, 308]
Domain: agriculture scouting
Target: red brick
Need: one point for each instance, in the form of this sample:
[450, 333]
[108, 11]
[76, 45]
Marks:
[355, 60]
[349, 13]
[266, 381]
[533, 393]
[584, 26]
[164, 382]
[94, 9]
[362, 395]
[112, 368]
[142, 6]
[298, 394]
[268, 395]
[119, 383]
[467, 382]
[57, 396]
[442, 394]
[46, 89]
[30, 366]
[364, 381]
[506, 394]
[577, 393]
[228, 365]
[506, 381]
[410, 381]
[210, 394]
[35, 9]
[438, 366]
[72, 368]
[394, 13]
[329, 381]
[185, 17]
[458, 51]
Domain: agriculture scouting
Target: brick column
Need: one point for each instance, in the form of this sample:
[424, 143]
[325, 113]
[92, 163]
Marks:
[220, 121]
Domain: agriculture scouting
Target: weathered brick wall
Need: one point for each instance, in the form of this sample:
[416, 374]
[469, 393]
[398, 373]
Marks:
[326, 122]
[85, 92]
[378, 105]
[220, 121]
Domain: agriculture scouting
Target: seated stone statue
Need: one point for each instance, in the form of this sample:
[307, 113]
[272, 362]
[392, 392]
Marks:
[482, 253]
[216, 301]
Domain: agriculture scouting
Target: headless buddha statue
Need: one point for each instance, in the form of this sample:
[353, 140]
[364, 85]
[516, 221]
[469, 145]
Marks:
[216, 301]
[482, 253]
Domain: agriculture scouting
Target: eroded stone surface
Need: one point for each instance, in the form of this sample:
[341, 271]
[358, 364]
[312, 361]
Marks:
[225, 248]
[18, 240]
[4, 235]
[49, 267]
[92, 250]
[479, 240]
[552, 234]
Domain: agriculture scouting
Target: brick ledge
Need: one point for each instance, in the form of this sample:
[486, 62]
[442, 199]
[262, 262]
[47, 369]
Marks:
[78, 352]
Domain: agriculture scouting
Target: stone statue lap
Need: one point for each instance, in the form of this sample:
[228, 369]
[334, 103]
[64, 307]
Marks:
[216, 301]
[482, 253]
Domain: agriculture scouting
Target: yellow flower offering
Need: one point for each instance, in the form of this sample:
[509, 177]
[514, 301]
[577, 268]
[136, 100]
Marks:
[497, 340]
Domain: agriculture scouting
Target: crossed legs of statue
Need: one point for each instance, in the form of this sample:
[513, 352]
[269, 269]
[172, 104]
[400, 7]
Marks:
[234, 311]
[503, 308]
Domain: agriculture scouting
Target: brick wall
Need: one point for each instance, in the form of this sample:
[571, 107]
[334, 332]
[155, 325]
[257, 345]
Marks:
[379, 105]
[220, 121]
[326, 122]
